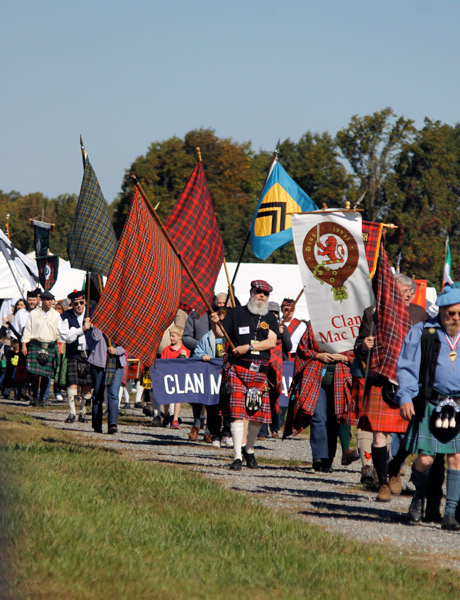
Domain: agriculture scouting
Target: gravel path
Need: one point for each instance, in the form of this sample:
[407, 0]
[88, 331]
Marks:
[335, 501]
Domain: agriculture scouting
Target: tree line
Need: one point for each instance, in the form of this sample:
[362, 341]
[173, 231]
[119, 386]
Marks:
[410, 177]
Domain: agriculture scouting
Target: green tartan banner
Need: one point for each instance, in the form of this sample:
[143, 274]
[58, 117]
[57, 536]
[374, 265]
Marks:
[91, 241]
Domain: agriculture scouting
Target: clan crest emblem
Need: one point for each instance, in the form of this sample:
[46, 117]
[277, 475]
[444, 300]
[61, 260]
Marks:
[331, 253]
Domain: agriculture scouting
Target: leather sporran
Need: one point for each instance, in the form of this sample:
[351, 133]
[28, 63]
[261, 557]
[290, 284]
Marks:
[43, 356]
[253, 399]
[389, 390]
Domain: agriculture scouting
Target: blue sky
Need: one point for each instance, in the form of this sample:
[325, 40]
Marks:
[125, 74]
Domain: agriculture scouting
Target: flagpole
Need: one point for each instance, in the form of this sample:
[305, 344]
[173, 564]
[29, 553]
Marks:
[292, 309]
[83, 152]
[246, 240]
[230, 289]
[178, 254]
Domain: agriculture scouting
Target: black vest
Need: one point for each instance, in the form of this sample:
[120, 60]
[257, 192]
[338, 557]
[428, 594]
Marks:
[430, 346]
[72, 349]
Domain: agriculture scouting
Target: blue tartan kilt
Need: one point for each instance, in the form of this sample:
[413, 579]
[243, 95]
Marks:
[33, 366]
[419, 438]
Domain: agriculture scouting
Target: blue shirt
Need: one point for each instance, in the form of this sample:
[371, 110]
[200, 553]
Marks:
[447, 378]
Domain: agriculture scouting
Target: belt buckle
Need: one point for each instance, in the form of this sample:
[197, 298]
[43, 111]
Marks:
[254, 367]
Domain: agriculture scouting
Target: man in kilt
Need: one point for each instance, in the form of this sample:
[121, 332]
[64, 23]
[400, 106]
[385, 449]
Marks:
[244, 393]
[429, 378]
[74, 329]
[39, 346]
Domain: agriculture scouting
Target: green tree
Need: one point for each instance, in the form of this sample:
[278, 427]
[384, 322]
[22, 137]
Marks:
[423, 200]
[372, 144]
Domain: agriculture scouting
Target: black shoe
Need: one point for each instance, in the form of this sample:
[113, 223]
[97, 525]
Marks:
[112, 429]
[70, 419]
[416, 510]
[81, 419]
[321, 465]
[450, 523]
[236, 465]
[432, 516]
[250, 459]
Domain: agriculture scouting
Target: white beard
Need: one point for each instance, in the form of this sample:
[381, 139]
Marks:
[257, 308]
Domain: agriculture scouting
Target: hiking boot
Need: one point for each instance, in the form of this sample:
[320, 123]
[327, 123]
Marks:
[416, 510]
[450, 523]
[395, 484]
[384, 494]
[193, 435]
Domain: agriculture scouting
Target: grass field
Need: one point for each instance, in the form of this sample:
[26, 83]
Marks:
[81, 522]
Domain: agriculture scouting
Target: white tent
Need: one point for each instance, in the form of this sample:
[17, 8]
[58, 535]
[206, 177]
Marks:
[285, 280]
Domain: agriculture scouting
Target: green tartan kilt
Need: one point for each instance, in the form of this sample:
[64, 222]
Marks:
[33, 366]
[419, 438]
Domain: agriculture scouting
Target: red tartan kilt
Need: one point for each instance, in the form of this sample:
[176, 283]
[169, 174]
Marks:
[378, 416]
[357, 393]
[241, 379]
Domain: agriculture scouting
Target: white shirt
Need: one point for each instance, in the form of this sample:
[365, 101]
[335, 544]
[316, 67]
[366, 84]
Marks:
[70, 334]
[20, 320]
[42, 326]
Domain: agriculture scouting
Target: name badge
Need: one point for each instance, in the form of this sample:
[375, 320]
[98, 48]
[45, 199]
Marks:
[243, 330]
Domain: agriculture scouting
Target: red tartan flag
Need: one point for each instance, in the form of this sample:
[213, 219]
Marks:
[392, 320]
[142, 293]
[193, 228]
[372, 236]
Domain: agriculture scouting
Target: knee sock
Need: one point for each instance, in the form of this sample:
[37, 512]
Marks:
[452, 491]
[394, 466]
[71, 398]
[379, 458]
[364, 445]
[139, 392]
[43, 387]
[253, 432]
[436, 477]
[236, 429]
[344, 436]
[420, 481]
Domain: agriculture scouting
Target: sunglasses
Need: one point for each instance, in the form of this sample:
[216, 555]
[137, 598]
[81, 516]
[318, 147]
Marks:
[78, 302]
[258, 291]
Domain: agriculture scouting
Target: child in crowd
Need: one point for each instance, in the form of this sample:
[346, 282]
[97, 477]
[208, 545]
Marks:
[175, 350]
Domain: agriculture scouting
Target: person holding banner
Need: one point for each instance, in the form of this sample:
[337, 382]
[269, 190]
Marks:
[320, 396]
[244, 392]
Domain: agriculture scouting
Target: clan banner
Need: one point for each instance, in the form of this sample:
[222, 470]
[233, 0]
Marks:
[335, 274]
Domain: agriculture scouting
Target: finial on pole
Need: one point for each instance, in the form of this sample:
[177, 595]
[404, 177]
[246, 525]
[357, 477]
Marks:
[198, 151]
[84, 154]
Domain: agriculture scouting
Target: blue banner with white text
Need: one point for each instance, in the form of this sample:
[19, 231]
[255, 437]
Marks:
[194, 380]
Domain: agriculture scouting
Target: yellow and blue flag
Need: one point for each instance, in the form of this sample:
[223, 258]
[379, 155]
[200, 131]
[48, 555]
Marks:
[271, 226]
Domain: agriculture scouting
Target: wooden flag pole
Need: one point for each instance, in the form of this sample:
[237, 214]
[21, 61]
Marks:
[246, 239]
[292, 309]
[178, 254]
[230, 289]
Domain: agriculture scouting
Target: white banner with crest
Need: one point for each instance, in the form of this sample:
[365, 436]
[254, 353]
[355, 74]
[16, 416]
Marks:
[335, 274]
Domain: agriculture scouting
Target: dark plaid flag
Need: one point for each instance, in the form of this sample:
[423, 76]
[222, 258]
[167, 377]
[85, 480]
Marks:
[48, 269]
[91, 239]
[41, 238]
[392, 320]
[141, 296]
[193, 228]
[372, 236]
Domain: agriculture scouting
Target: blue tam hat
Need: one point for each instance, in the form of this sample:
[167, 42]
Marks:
[451, 295]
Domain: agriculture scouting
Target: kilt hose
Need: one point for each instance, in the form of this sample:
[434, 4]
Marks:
[240, 380]
[419, 438]
[377, 415]
[34, 367]
[78, 370]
